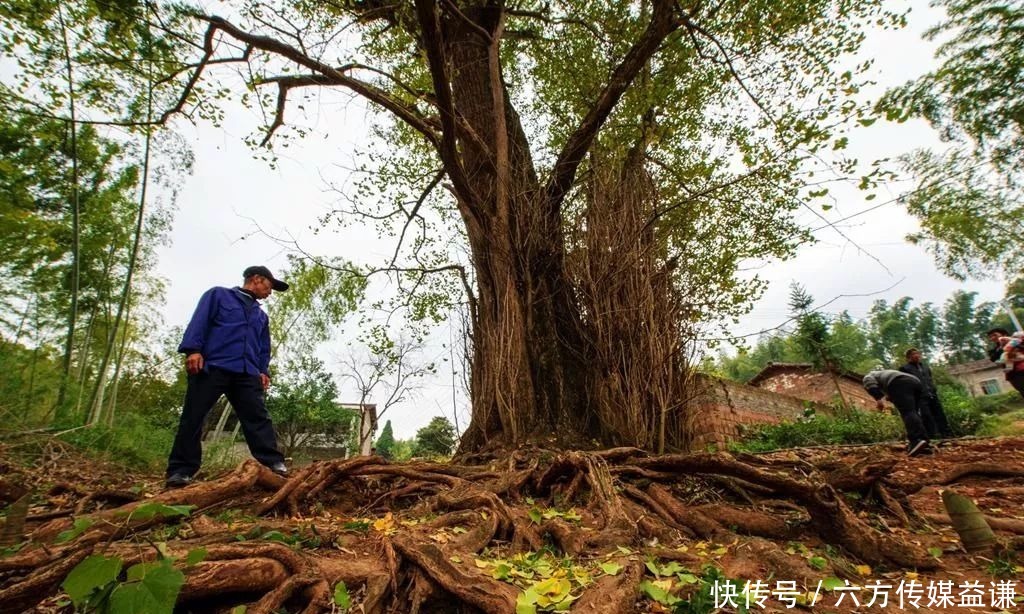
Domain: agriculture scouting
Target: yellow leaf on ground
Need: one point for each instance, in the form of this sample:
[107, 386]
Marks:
[864, 570]
[385, 524]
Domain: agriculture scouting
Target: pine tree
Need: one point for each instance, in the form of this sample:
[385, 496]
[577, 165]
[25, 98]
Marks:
[386, 442]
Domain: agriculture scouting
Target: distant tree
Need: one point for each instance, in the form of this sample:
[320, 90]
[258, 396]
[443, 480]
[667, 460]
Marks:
[893, 328]
[437, 438]
[386, 442]
[812, 334]
[962, 325]
[386, 372]
[403, 450]
[849, 340]
[304, 406]
[968, 199]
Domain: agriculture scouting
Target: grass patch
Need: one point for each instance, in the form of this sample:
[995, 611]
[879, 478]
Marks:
[135, 442]
[816, 430]
[1008, 424]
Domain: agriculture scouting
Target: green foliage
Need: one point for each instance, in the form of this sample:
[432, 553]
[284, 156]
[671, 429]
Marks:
[320, 296]
[856, 427]
[1009, 424]
[341, 597]
[684, 592]
[95, 585]
[953, 333]
[963, 323]
[305, 536]
[968, 197]
[547, 581]
[1005, 565]
[998, 403]
[436, 439]
[386, 442]
[86, 580]
[897, 327]
[304, 405]
[155, 509]
[133, 441]
[78, 527]
[403, 450]
[963, 412]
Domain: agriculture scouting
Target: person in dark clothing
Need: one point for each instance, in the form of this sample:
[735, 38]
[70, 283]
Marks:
[227, 349]
[1016, 376]
[932, 415]
[905, 392]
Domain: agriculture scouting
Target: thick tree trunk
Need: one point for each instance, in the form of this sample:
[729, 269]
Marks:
[528, 359]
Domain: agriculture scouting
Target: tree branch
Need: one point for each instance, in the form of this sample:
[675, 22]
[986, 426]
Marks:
[693, 27]
[415, 212]
[429, 18]
[333, 76]
[662, 24]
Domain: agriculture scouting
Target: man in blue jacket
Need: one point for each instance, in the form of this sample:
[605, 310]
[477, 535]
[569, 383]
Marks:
[227, 349]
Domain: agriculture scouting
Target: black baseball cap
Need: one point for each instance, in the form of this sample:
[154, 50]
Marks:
[1001, 331]
[263, 271]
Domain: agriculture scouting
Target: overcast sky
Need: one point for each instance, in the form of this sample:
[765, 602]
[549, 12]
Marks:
[215, 236]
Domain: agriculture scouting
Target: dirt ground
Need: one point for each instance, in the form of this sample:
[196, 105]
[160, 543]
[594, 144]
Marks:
[845, 528]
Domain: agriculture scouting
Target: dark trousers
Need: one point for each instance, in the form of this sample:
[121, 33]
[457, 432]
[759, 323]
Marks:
[246, 396]
[906, 395]
[934, 417]
[1016, 379]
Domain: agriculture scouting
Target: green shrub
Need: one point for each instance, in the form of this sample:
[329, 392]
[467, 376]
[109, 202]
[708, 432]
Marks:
[133, 442]
[855, 427]
[962, 411]
[998, 403]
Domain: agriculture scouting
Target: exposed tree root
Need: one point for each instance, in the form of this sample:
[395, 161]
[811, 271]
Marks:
[588, 507]
[613, 594]
[482, 593]
[40, 582]
[980, 469]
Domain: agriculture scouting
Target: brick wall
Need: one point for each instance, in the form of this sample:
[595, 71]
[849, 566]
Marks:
[722, 406]
[817, 387]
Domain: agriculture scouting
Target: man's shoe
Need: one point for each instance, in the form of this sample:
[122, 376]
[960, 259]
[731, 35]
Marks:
[918, 448]
[280, 469]
[178, 480]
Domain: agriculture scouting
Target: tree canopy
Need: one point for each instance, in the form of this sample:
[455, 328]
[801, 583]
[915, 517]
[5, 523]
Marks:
[436, 439]
[968, 196]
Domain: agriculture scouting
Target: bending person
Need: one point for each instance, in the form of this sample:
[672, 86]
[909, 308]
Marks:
[905, 392]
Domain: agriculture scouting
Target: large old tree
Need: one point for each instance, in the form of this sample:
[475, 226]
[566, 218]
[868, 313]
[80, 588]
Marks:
[586, 178]
[656, 141]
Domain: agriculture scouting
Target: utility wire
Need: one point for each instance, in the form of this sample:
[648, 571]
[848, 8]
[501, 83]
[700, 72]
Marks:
[809, 311]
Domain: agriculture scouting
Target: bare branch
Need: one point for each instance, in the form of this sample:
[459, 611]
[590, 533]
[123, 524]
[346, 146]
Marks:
[693, 27]
[331, 74]
[415, 212]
